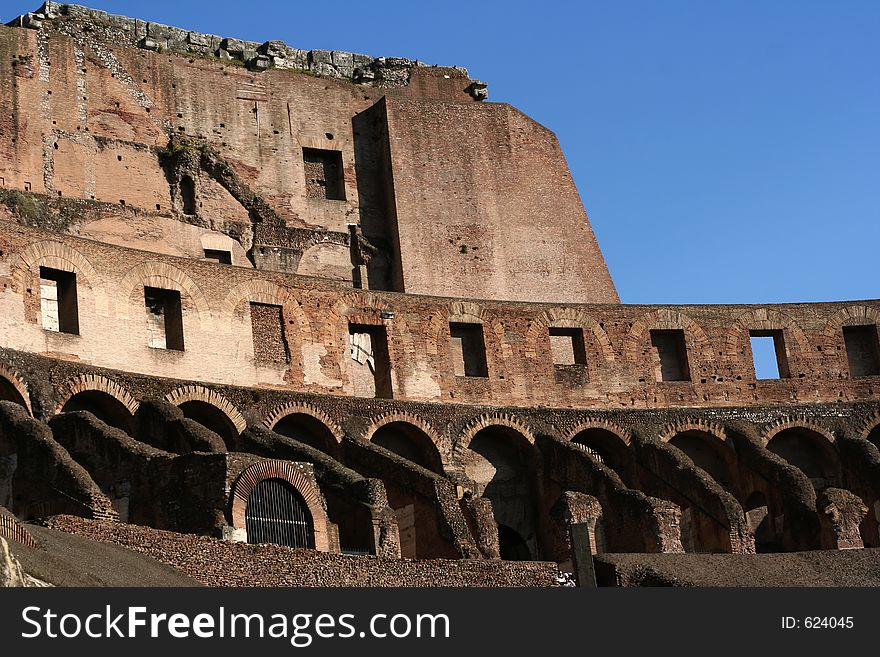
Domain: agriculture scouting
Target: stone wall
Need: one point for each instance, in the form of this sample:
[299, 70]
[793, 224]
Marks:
[216, 563]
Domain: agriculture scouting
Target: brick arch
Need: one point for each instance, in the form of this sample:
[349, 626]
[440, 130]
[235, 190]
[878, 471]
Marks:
[798, 422]
[458, 311]
[623, 434]
[366, 308]
[492, 420]
[568, 318]
[280, 412]
[869, 425]
[766, 319]
[286, 471]
[713, 429]
[18, 382]
[408, 418]
[666, 319]
[259, 291]
[155, 273]
[855, 315]
[51, 253]
[89, 382]
[203, 394]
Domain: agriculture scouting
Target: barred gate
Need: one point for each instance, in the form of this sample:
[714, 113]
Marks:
[276, 513]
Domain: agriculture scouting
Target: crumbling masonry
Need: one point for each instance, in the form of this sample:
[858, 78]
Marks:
[342, 303]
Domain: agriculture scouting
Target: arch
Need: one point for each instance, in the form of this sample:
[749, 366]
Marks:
[759, 519]
[855, 315]
[96, 382]
[57, 255]
[708, 452]
[103, 406]
[276, 513]
[210, 409]
[262, 291]
[409, 437]
[292, 474]
[284, 410]
[502, 463]
[155, 273]
[808, 447]
[606, 440]
[637, 343]
[309, 430]
[766, 319]
[492, 419]
[568, 318]
[14, 388]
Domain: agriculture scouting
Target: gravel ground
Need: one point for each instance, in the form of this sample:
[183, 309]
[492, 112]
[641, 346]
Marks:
[818, 568]
[213, 562]
[67, 560]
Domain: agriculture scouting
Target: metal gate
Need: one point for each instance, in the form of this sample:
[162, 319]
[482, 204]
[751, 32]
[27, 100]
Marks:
[276, 513]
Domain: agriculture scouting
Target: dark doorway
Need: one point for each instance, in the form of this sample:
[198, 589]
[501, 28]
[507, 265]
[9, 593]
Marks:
[276, 513]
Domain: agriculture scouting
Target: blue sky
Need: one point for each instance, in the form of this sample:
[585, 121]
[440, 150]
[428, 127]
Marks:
[726, 152]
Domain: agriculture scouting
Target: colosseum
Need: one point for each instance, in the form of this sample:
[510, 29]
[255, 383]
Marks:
[318, 302]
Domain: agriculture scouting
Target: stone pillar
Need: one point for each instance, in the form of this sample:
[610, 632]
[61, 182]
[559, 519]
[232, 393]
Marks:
[840, 514]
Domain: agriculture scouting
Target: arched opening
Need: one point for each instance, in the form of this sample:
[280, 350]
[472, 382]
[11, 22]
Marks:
[308, 430]
[501, 463]
[707, 452]
[761, 523]
[874, 436]
[188, 195]
[511, 545]
[103, 406]
[410, 442]
[606, 447]
[9, 392]
[810, 451]
[277, 513]
[211, 417]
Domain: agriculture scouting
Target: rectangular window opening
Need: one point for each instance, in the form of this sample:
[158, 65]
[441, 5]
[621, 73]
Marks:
[862, 350]
[58, 304]
[370, 366]
[219, 255]
[267, 325]
[768, 354]
[567, 346]
[672, 351]
[164, 318]
[468, 350]
[324, 177]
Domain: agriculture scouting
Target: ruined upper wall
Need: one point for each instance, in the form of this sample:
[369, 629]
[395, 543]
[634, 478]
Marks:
[383, 72]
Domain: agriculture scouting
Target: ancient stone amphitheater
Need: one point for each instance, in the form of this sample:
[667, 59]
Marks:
[344, 305]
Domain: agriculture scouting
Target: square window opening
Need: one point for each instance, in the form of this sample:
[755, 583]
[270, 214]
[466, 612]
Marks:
[164, 318]
[324, 175]
[370, 366]
[219, 255]
[672, 352]
[468, 350]
[58, 303]
[267, 326]
[567, 346]
[768, 354]
[862, 350]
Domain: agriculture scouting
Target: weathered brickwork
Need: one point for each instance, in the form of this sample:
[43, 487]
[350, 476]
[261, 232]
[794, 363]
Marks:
[240, 277]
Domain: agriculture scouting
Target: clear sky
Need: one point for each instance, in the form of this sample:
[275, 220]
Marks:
[726, 151]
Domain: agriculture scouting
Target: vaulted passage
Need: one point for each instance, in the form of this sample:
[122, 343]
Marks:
[411, 443]
[709, 453]
[9, 392]
[809, 451]
[761, 523]
[105, 407]
[607, 448]
[211, 417]
[276, 513]
[501, 464]
[309, 430]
